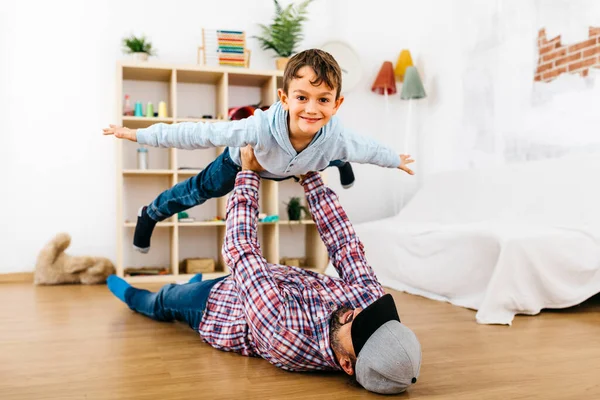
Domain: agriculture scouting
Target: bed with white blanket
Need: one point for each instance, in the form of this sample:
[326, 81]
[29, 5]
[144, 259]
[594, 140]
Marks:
[503, 241]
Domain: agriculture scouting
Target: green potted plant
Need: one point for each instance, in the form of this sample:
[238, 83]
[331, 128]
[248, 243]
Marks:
[295, 209]
[140, 47]
[283, 35]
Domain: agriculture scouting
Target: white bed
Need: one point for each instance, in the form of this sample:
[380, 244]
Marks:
[503, 241]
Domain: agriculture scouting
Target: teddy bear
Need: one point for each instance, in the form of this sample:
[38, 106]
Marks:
[54, 267]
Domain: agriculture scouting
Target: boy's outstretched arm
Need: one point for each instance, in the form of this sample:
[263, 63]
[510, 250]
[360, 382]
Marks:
[191, 135]
[344, 247]
[405, 159]
[121, 132]
[364, 150]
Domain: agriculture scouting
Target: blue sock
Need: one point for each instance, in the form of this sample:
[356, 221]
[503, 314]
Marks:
[117, 286]
[196, 278]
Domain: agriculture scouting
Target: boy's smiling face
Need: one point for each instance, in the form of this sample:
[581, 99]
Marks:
[310, 107]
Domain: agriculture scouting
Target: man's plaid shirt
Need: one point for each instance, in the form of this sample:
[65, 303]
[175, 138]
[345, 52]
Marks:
[282, 313]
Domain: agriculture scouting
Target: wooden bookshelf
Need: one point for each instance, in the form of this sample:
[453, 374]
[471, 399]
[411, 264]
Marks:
[192, 93]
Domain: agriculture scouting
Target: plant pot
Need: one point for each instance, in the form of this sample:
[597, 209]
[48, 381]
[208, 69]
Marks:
[281, 62]
[140, 56]
[294, 214]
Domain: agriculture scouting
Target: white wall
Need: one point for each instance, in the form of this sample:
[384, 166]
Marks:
[58, 90]
[57, 65]
[477, 60]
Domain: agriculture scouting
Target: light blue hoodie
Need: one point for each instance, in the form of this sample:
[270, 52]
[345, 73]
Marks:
[267, 132]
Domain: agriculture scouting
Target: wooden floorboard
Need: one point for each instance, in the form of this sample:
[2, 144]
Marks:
[79, 342]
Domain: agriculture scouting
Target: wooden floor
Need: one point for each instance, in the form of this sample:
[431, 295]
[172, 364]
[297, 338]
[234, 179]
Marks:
[79, 342]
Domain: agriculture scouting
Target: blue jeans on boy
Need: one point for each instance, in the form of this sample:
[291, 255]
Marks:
[216, 180]
[184, 303]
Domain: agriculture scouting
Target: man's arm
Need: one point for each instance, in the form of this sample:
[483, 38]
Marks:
[191, 135]
[344, 248]
[256, 287]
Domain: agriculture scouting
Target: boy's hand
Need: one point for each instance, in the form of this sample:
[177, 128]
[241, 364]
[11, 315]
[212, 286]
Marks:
[121, 132]
[404, 160]
[249, 162]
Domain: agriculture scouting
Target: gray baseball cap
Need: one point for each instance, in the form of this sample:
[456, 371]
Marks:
[388, 352]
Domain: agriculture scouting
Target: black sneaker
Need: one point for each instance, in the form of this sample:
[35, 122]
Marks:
[143, 231]
[346, 175]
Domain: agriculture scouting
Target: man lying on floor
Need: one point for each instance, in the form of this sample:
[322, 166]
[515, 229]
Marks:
[297, 320]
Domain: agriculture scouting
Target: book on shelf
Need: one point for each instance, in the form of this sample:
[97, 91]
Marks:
[142, 271]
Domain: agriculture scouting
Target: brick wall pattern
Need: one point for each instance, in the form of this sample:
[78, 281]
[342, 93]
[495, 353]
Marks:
[556, 58]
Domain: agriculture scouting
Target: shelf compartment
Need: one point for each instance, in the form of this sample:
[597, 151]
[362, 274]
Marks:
[211, 238]
[199, 76]
[146, 72]
[285, 191]
[199, 101]
[140, 190]
[159, 159]
[161, 252]
[251, 89]
[192, 162]
[301, 239]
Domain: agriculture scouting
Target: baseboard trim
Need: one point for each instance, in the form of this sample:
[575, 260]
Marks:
[15, 277]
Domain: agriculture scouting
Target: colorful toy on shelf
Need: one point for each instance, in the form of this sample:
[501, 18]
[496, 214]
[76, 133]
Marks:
[162, 110]
[226, 48]
[149, 110]
[142, 158]
[185, 217]
[270, 218]
[127, 109]
[138, 112]
[197, 265]
[237, 113]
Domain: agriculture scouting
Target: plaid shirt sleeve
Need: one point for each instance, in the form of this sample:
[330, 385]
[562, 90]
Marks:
[256, 287]
[343, 245]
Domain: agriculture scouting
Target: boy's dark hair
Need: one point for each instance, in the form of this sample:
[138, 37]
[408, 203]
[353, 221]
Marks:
[324, 65]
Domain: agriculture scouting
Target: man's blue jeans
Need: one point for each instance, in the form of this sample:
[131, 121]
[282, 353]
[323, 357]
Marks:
[216, 180]
[184, 303]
